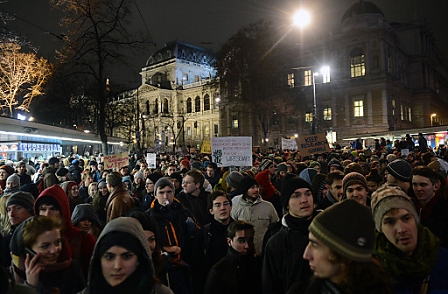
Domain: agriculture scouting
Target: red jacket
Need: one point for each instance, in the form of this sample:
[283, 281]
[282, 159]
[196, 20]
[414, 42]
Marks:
[267, 189]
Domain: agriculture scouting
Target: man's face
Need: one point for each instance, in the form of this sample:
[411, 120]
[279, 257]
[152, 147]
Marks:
[17, 214]
[49, 210]
[373, 186]
[337, 189]
[93, 167]
[124, 171]
[301, 203]
[357, 192]
[400, 228]
[189, 185]
[165, 195]
[11, 185]
[143, 165]
[221, 209]
[100, 167]
[243, 242]
[176, 183]
[210, 172]
[57, 165]
[88, 181]
[253, 192]
[21, 169]
[170, 170]
[333, 168]
[318, 256]
[272, 169]
[149, 185]
[423, 188]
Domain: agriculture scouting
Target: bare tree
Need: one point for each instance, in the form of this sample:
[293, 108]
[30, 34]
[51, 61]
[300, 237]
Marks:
[22, 76]
[99, 37]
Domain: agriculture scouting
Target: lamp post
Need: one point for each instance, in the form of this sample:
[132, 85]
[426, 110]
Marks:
[314, 126]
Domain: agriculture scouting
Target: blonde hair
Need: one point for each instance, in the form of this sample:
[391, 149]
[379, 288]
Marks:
[5, 225]
[93, 184]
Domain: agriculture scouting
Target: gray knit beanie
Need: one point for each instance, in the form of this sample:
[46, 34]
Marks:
[162, 183]
[234, 179]
[13, 178]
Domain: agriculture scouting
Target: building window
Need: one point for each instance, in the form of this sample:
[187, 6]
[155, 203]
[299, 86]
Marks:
[207, 130]
[216, 100]
[357, 63]
[197, 104]
[189, 108]
[185, 77]
[307, 78]
[165, 106]
[402, 110]
[409, 115]
[235, 122]
[189, 132]
[358, 108]
[327, 113]
[216, 129]
[206, 102]
[308, 117]
[291, 80]
[156, 106]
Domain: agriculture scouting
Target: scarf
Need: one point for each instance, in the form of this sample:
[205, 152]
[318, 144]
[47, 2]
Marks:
[297, 224]
[416, 266]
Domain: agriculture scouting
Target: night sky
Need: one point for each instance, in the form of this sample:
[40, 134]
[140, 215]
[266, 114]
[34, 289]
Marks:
[210, 23]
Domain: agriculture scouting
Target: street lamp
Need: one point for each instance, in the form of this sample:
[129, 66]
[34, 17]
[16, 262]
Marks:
[433, 115]
[301, 18]
[314, 126]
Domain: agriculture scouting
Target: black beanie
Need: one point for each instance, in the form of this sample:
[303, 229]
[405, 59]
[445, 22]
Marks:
[48, 200]
[246, 183]
[347, 228]
[154, 177]
[291, 183]
[400, 169]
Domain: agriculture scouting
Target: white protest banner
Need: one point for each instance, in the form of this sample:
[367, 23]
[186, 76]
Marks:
[232, 151]
[151, 160]
[312, 144]
[289, 144]
[116, 161]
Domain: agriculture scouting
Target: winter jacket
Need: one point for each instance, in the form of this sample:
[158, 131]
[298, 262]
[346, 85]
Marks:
[259, 213]
[266, 187]
[81, 244]
[49, 177]
[119, 203]
[197, 206]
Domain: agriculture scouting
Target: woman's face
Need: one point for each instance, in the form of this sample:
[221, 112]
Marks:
[49, 245]
[74, 191]
[85, 225]
[3, 175]
[92, 190]
[151, 240]
[117, 264]
[104, 191]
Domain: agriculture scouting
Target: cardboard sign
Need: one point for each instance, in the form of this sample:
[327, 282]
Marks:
[116, 161]
[289, 144]
[232, 151]
[312, 144]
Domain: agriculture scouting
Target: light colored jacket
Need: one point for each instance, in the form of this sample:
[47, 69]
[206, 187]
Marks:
[259, 213]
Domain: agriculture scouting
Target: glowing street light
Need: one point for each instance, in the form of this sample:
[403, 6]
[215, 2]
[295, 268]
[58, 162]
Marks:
[301, 18]
[433, 116]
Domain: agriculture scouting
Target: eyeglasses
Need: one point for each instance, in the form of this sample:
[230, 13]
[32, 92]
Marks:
[218, 205]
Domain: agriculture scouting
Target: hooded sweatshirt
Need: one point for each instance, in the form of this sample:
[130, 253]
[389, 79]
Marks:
[81, 243]
[141, 281]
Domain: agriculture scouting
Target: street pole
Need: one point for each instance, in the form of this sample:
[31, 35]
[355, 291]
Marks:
[137, 127]
[314, 125]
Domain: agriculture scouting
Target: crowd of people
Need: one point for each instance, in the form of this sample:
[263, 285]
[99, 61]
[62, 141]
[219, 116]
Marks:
[347, 221]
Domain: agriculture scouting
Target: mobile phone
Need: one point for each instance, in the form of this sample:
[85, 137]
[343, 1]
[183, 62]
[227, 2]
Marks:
[31, 252]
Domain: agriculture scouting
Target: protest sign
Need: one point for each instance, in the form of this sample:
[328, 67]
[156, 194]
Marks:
[115, 161]
[312, 144]
[151, 160]
[232, 151]
[289, 144]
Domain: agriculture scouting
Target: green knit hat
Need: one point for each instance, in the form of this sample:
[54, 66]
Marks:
[347, 228]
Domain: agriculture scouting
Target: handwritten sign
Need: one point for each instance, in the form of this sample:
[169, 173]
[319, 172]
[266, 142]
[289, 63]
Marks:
[151, 160]
[232, 151]
[115, 161]
[312, 144]
[289, 144]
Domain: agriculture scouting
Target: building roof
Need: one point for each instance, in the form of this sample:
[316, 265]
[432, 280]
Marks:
[362, 8]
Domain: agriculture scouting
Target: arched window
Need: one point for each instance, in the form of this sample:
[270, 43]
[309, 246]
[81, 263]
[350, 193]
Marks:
[165, 106]
[206, 102]
[189, 108]
[357, 63]
[156, 106]
[147, 106]
[197, 104]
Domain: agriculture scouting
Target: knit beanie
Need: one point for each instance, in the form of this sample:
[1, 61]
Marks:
[313, 164]
[177, 176]
[102, 184]
[400, 169]
[163, 182]
[337, 163]
[8, 169]
[24, 199]
[113, 179]
[352, 179]
[282, 167]
[185, 163]
[154, 177]
[388, 197]
[53, 160]
[30, 188]
[67, 185]
[196, 165]
[14, 178]
[391, 157]
[265, 163]
[246, 183]
[346, 227]
[308, 175]
[291, 183]
[234, 179]
[62, 171]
